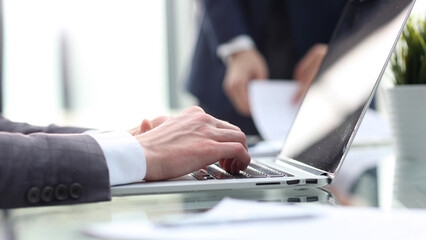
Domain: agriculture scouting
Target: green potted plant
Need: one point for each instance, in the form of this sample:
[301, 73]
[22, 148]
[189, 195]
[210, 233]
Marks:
[407, 98]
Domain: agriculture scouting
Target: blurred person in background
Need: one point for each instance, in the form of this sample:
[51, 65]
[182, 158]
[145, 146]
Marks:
[244, 40]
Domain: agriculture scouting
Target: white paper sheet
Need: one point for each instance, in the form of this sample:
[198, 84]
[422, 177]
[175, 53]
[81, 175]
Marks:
[272, 108]
[266, 148]
[314, 222]
[273, 113]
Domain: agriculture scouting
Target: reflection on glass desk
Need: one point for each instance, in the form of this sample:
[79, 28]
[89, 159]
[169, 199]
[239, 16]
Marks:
[402, 182]
[374, 176]
[66, 222]
[370, 176]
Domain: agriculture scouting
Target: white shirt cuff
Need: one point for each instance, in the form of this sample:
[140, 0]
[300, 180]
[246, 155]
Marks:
[124, 156]
[237, 44]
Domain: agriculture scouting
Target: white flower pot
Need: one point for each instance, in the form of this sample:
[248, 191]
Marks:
[407, 112]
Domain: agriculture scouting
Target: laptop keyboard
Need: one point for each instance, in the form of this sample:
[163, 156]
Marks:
[254, 170]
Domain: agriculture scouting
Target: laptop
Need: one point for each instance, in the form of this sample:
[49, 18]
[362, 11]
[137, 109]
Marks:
[329, 115]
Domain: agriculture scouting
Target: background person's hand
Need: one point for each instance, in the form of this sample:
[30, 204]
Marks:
[241, 68]
[307, 68]
[191, 141]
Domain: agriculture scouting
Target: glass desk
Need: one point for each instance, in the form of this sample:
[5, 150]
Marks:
[385, 181]
[370, 176]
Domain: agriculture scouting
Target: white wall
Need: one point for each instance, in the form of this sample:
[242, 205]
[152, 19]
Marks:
[117, 61]
[183, 30]
[30, 63]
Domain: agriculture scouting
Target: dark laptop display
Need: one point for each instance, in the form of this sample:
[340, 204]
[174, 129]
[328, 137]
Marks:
[342, 91]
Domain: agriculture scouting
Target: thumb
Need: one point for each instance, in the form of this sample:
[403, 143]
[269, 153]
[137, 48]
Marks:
[298, 96]
[301, 91]
[146, 125]
[261, 72]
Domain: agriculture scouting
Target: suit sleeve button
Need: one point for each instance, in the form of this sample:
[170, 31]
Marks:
[76, 190]
[33, 195]
[61, 192]
[47, 194]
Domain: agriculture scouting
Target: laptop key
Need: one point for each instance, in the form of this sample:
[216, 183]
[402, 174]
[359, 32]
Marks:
[202, 175]
[269, 171]
[241, 174]
[253, 173]
[248, 173]
[218, 172]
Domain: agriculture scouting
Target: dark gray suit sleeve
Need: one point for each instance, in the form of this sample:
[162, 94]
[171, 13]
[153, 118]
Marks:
[42, 169]
[25, 128]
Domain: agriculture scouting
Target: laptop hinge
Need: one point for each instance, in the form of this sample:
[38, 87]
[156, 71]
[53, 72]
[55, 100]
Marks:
[305, 167]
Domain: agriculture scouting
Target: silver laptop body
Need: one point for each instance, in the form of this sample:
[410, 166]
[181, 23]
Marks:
[329, 115]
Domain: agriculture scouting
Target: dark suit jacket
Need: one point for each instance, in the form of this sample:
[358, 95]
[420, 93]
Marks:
[306, 22]
[39, 169]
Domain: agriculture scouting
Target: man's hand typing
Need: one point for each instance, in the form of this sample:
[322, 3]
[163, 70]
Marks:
[175, 146]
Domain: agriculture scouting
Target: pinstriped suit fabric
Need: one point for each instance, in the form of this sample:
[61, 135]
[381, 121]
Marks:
[31, 158]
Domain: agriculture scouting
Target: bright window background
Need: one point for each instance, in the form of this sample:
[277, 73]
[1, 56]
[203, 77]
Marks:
[116, 61]
[126, 60]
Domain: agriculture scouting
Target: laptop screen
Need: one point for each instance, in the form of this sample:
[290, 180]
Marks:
[337, 99]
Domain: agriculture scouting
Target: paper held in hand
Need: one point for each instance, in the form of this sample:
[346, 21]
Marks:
[273, 113]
